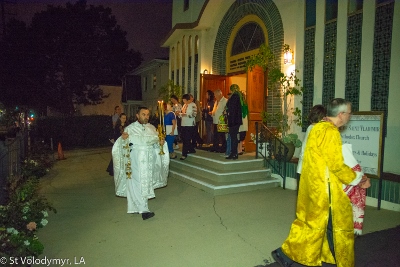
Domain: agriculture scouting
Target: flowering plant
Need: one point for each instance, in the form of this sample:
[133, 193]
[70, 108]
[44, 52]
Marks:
[19, 243]
[25, 210]
[20, 218]
[38, 163]
[34, 168]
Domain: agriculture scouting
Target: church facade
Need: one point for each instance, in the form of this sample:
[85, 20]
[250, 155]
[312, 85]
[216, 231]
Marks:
[345, 49]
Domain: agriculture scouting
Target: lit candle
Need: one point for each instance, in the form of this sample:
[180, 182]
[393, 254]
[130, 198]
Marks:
[159, 111]
[162, 108]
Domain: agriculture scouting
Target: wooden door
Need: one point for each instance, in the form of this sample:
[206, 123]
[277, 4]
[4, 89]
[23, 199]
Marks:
[212, 82]
[256, 94]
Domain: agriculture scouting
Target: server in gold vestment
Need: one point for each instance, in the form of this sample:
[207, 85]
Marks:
[323, 228]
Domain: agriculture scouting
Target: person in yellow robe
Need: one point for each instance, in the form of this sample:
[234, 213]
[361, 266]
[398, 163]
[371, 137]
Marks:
[323, 228]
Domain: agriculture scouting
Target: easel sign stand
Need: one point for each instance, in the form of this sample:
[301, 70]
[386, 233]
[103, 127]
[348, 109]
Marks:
[364, 132]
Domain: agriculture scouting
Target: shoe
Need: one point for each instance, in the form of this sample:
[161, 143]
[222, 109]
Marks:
[183, 158]
[232, 156]
[173, 157]
[279, 259]
[241, 153]
[147, 215]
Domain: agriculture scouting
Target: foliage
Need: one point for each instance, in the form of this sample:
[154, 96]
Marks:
[170, 89]
[292, 138]
[283, 86]
[62, 57]
[25, 212]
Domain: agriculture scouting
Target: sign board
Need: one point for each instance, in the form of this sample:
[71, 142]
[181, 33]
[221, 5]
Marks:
[364, 133]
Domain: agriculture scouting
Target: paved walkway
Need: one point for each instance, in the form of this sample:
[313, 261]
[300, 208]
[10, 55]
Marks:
[191, 227]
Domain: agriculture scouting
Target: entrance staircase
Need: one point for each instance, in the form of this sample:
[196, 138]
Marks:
[216, 175]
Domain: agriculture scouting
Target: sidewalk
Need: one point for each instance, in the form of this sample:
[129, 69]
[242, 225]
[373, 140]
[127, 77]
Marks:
[190, 228]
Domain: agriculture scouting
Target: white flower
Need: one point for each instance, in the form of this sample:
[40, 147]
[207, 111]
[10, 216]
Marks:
[45, 214]
[25, 209]
[43, 222]
[27, 243]
[12, 231]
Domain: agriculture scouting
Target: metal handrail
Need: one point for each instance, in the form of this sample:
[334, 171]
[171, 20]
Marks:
[272, 149]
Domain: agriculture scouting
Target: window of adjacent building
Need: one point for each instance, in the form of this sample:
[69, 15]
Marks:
[145, 84]
[249, 37]
[185, 5]
[355, 5]
[311, 13]
[154, 81]
[331, 10]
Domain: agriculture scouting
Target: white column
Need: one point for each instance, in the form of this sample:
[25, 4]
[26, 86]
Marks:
[319, 52]
[367, 55]
[192, 55]
[175, 62]
[186, 64]
[341, 48]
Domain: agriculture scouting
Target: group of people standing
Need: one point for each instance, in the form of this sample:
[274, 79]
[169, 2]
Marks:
[233, 112]
[184, 120]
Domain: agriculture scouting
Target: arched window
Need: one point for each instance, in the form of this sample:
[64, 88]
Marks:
[249, 37]
[245, 40]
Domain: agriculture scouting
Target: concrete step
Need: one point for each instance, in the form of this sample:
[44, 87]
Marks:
[216, 175]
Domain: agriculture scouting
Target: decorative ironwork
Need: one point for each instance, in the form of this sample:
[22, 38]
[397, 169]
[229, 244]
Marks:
[272, 149]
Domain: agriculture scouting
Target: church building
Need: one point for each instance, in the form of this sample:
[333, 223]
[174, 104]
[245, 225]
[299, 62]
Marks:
[341, 48]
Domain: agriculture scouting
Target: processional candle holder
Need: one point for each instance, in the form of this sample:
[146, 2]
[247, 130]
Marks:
[161, 128]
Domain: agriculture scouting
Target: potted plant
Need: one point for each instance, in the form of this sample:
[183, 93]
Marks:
[170, 89]
[284, 87]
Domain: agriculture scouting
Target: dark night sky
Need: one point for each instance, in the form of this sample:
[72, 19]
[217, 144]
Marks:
[147, 22]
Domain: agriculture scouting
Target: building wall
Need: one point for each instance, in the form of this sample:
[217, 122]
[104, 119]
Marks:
[150, 93]
[108, 105]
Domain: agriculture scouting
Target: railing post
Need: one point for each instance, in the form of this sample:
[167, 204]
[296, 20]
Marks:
[256, 139]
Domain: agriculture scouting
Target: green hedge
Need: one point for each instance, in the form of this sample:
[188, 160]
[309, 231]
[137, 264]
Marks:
[74, 131]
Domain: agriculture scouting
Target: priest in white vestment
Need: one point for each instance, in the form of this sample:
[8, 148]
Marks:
[138, 166]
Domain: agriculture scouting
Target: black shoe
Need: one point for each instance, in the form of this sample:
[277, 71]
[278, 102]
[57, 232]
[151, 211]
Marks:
[147, 215]
[279, 259]
[232, 156]
[183, 158]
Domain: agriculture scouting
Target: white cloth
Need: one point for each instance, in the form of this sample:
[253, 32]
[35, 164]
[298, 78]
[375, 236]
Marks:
[190, 110]
[149, 170]
[219, 107]
[303, 148]
[244, 127]
[168, 129]
[351, 161]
